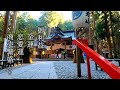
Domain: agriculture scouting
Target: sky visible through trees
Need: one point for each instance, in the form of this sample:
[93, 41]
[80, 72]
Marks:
[36, 14]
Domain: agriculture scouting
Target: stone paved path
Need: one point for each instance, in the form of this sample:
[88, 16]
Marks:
[37, 70]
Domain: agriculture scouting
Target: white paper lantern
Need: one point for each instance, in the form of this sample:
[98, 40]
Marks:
[80, 19]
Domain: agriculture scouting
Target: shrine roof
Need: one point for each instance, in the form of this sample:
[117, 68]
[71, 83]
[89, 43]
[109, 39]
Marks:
[62, 34]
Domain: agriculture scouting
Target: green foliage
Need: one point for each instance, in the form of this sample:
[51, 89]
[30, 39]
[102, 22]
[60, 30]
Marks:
[21, 23]
[118, 52]
[116, 23]
[100, 30]
[50, 19]
[108, 26]
[32, 24]
[42, 21]
[101, 24]
[115, 17]
[1, 24]
[26, 22]
[25, 35]
[67, 25]
[1, 40]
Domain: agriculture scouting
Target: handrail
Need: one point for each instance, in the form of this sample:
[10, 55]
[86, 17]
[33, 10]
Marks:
[108, 67]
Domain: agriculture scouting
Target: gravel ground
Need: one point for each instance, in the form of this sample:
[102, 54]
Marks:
[68, 70]
[63, 69]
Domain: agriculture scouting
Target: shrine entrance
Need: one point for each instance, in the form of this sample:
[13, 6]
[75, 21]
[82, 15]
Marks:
[58, 45]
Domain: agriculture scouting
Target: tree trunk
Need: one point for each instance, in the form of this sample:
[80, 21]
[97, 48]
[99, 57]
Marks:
[5, 24]
[113, 39]
[95, 36]
[5, 29]
[108, 34]
[14, 21]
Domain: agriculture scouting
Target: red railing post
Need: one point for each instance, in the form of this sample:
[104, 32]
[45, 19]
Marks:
[112, 70]
[88, 67]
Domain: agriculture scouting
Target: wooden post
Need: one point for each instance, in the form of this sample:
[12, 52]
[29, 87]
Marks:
[74, 57]
[78, 57]
[65, 46]
[78, 62]
[41, 55]
[75, 54]
[34, 52]
[88, 67]
[65, 51]
[51, 46]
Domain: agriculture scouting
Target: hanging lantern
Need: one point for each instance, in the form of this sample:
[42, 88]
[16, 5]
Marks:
[43, 52]
[80, 19]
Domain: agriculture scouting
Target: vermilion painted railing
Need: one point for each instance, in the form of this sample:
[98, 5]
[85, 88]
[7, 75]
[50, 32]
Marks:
[112, 70]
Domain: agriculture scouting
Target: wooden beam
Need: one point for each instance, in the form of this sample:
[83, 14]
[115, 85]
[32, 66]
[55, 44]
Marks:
[65, 46]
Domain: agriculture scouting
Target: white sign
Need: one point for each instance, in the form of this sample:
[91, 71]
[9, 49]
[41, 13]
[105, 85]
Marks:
[80, 19]
[5, 45]
[40, 30]
[40, 37]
